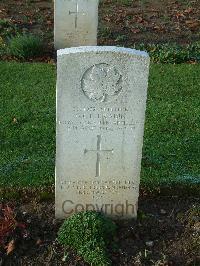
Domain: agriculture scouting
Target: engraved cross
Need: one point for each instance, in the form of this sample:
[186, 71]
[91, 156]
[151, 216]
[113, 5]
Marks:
[76, 13]
[98, 151]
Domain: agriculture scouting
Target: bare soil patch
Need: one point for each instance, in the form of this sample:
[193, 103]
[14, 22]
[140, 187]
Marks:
[167, 232]
[150, 21]
[121, 22]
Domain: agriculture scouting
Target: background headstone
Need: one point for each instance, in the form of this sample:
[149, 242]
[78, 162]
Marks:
[75, 23]
[101, 101]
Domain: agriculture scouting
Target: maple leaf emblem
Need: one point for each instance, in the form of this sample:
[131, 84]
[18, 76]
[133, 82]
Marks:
[101, 82]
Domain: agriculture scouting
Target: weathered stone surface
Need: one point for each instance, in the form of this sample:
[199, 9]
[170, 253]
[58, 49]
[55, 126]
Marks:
[101, 101]
[75, 23]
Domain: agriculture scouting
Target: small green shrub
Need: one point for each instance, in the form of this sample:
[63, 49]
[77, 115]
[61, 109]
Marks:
[7, 29]
[2, 47]
[105, 32]
[171, 53]
[90, 234]
[26, 46]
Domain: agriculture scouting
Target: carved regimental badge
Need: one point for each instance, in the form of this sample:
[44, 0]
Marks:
[101, 83]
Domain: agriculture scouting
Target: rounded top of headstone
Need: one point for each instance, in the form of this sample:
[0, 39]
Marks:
[114, 49]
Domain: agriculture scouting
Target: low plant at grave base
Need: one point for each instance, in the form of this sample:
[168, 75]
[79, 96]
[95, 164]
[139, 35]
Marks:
[7, 29]
[3, 48]
[7, 222]
[26, 46]
[89, 233]
[171, 53]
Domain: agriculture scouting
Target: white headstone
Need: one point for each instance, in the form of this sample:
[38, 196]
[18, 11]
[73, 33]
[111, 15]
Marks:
[75, 23]
[101, 101]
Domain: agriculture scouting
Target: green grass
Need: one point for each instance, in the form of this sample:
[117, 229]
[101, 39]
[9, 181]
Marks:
[172, 133]
[27, 116]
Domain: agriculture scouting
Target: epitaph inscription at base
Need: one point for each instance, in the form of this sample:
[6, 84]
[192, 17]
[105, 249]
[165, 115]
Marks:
[101, 101]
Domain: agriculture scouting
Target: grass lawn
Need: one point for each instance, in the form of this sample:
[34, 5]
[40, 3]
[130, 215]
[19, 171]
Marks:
[27, 125]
